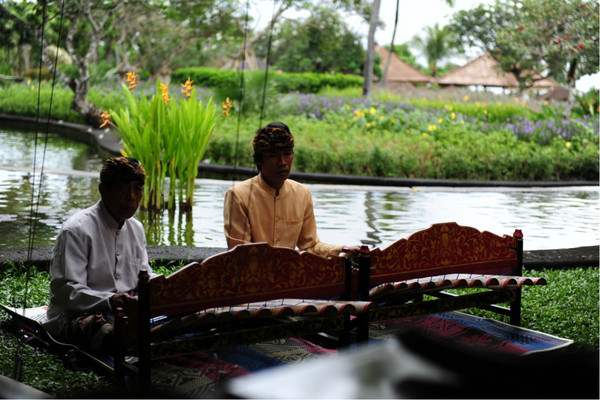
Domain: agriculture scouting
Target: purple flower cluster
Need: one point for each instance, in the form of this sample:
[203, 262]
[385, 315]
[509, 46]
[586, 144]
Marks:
[318, 107]
[525, 128]
[544, 130]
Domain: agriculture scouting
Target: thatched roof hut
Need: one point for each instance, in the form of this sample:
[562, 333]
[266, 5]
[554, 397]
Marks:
[485, 71]
[400, 71]
[560, 93]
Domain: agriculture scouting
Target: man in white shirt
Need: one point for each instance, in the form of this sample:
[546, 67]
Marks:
[97, 256]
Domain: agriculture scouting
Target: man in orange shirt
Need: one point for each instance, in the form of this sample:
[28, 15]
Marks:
[271, 208]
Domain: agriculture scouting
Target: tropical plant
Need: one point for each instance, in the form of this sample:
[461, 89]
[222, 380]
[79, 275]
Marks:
[588, 103]
[437, 44]
[168, 139]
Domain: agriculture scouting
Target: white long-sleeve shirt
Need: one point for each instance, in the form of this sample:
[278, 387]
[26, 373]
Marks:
[92, 260]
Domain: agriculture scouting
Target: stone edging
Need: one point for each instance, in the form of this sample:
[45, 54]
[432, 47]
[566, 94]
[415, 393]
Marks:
[587, 256]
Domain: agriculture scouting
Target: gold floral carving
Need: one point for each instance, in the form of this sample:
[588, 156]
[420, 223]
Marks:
[250, 272]
[444, 246]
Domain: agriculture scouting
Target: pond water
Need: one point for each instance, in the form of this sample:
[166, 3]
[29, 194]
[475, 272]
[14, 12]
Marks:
[377, 216]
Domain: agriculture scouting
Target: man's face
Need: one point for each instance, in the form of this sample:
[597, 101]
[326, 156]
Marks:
[122, 199]
[276, 166]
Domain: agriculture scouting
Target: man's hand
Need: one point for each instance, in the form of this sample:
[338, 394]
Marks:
[354, 249]
[129, 306]
[123, 300]
[127, 303]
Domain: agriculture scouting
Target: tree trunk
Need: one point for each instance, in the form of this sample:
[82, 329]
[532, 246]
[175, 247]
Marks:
[26, 57]
[387, 61]
[161, 72]
[79, 12]
[368, 68]
[80, 87]
[571, 79]
[251, 42]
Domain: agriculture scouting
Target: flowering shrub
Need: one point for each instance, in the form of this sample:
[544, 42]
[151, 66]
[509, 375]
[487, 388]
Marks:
[169, 136]
[424, 116]
[433, 138]
[543, 132]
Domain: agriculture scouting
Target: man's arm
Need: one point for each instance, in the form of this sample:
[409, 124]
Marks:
[69, 277]
[237, 223]
[308, 239]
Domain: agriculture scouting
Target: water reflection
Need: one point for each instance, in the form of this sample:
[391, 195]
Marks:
[372, 232]
[375, 216]
[168, 228]
[345, 215]
[21, 148]
[59, 197]
[549, 218]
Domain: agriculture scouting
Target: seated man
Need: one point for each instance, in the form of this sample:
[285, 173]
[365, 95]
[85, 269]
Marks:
[97, 256]
[270, 207]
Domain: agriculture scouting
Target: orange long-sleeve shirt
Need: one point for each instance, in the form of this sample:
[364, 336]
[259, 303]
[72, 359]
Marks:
[256, 212]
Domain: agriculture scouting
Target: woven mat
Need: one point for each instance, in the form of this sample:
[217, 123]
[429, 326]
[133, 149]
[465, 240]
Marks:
[204, 373]
[467, 330]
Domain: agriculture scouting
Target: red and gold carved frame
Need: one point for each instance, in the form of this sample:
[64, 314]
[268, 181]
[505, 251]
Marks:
[445, 248]
[247, 273]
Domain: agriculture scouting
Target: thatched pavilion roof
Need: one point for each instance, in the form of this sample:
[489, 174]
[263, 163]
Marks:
[400, 71]
[560, 93]
[485, 71]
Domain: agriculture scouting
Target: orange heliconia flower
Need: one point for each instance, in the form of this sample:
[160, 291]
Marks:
[226, 106]
[187, 88]
[132, 79]
[165, 93]
[105, 119]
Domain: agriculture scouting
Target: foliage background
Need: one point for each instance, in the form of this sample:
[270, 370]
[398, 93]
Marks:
[435, 134]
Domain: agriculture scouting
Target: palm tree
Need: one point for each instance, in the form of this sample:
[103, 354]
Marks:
[437, 44]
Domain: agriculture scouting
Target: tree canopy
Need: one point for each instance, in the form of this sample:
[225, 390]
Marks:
[557, 38]
[322, 43]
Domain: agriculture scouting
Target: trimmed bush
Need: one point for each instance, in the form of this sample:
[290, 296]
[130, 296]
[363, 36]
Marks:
[284, 82]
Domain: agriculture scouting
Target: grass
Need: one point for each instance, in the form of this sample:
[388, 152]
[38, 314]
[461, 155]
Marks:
[567, 307]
